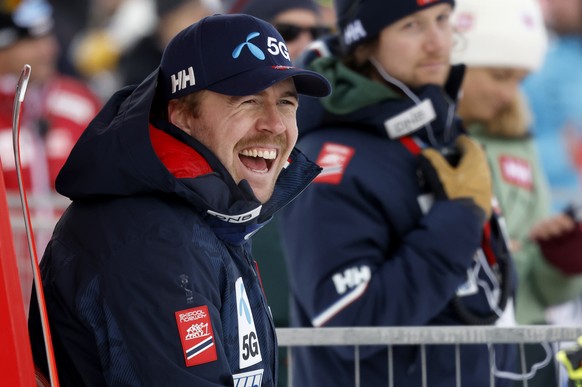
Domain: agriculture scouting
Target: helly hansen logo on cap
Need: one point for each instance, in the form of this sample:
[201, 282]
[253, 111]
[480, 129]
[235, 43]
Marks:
[425, 2]
[183, 79]
[196, 335]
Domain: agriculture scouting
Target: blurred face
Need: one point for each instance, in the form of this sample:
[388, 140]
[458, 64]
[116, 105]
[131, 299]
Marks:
[563, 16]
[40, 53]
[298, 27]
[487, 91]
[416, 49]
[252, 136]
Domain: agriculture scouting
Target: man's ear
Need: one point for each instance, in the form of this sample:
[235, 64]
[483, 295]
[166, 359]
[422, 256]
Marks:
[177, 116]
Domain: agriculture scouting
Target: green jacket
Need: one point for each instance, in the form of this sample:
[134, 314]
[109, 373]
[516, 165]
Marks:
[522, 192]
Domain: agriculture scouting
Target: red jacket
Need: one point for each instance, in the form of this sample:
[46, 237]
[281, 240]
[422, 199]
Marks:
[53, 118]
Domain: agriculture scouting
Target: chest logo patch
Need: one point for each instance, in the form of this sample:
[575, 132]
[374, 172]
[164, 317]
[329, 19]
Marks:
[248, 342]
[195, 328]
[516, 171]
[333, 158]
[249, 379]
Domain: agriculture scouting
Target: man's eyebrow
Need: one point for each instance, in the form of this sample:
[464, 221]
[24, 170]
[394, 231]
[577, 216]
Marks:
[291, 93]
[233, 99]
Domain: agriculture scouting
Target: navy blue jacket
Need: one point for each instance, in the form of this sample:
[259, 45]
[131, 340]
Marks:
[362, 251]
[148, 277]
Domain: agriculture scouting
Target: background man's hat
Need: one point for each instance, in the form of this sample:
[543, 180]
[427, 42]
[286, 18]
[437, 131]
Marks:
[360, 21]
[24, 19]
[232, 55]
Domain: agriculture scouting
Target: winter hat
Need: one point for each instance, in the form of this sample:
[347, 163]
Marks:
[31, 18]
[249, 57]
[362, 20]
[500, 33]
[269, 9]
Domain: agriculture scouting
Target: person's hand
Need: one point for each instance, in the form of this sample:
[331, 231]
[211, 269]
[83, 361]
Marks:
[552, 227]
[470, 178]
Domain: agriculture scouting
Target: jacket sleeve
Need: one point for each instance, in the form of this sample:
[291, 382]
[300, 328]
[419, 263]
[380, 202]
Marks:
[357, 258]
[148, 298]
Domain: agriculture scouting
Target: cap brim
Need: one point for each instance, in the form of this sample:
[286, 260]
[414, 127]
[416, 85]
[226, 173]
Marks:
[258, 79]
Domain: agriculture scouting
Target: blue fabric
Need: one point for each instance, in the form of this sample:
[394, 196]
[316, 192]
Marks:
[554, 93]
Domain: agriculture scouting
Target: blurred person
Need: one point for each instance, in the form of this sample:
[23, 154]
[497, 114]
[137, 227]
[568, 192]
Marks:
[113, 26]
[389, 234]
[500, 50]
[149, 278]
[554, 93]
[298, 21]
[172, 16]
[56, 111]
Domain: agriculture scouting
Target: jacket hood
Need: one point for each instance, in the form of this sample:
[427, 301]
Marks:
[115, 158]
[358, 101]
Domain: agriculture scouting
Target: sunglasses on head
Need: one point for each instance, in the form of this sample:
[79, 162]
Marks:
[290, 32]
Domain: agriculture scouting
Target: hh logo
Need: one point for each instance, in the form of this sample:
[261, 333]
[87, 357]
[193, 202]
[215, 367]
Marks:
[351, 278]
[333, 158]
[182, 79]
[354, 32]
[195, 329]
[516, 171]
[425, 2]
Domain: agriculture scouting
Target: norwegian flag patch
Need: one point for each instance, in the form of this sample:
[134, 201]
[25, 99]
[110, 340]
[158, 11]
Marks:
[195, 329]
[333, 158]
[516, 171]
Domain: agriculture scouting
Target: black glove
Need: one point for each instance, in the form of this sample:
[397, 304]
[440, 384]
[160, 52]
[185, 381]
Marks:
[470, 178]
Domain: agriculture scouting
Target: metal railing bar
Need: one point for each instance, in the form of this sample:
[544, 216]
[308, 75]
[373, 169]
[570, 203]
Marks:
[423, 365]
[524, 369]
[425, 335]
[357, 365]
[390, 367]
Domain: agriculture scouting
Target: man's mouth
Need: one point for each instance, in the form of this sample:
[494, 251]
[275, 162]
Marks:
[258, 160]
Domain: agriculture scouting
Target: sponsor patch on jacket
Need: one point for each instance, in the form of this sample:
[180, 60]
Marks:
[410, 120]
[516, 171]
[248, 379]
[248, 341]
[334, 159]
[195, 329]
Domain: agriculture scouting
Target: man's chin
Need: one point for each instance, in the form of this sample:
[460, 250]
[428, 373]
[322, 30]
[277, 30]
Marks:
[262, 193]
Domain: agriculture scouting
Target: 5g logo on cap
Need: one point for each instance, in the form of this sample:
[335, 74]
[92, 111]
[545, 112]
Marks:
[256, 51]
[275, 47]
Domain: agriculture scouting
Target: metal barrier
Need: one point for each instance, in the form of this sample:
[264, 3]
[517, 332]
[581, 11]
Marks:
[423, 336]
[45, 211]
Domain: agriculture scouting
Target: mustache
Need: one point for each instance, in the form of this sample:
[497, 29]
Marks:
[279, 140]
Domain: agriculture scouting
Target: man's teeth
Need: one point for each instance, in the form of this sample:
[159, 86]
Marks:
[269, 155]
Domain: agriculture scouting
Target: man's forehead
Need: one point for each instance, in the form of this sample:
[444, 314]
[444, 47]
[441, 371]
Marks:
[284, 88]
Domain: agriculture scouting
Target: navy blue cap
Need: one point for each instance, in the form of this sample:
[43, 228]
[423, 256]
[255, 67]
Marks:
[234, 55]
[360, 21]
